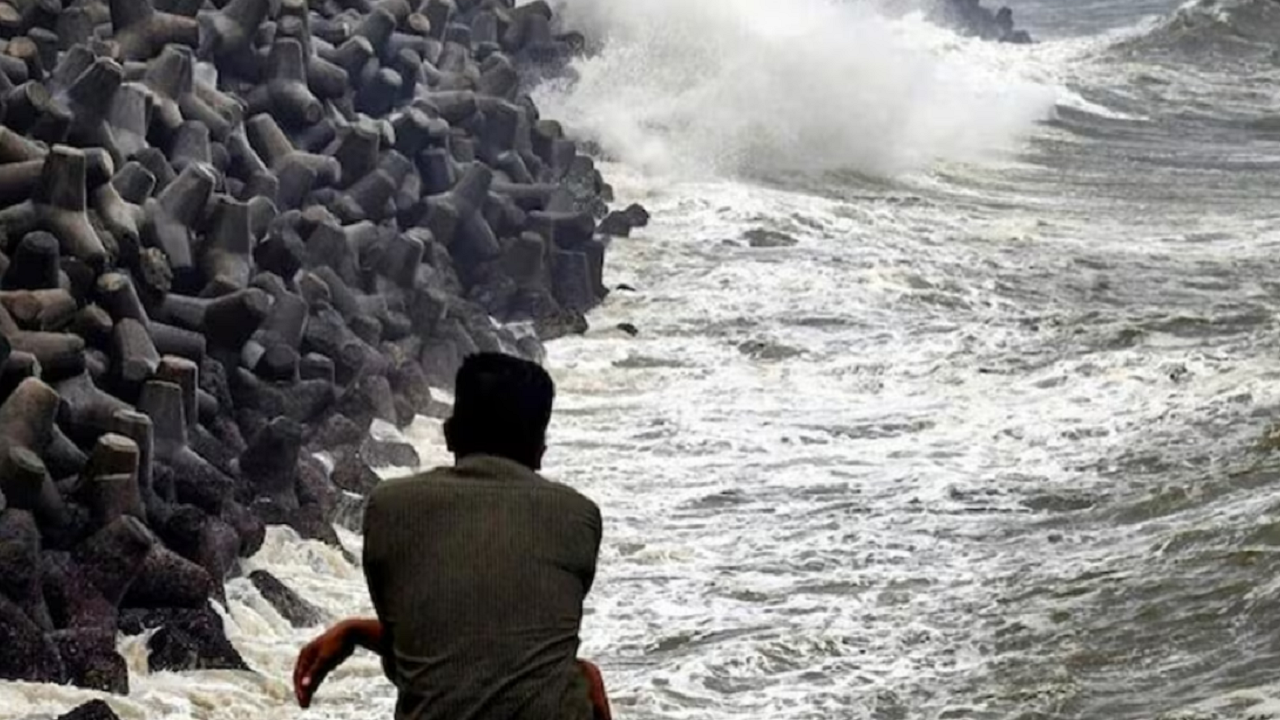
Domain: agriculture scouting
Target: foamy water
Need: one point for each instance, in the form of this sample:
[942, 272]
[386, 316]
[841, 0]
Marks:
[834, 530]
[735, 86]
[980, 444]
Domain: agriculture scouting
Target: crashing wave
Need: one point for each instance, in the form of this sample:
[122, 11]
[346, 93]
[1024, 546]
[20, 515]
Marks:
[756, 86]
[1215, 26]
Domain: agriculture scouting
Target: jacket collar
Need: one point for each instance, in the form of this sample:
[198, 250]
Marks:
[492, 467]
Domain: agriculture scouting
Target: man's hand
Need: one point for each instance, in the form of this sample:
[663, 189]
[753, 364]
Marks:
[595, 690]
[320, 657]
[324, 654]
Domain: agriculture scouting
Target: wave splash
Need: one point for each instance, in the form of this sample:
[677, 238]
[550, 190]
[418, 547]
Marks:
[1200, 27]
[753, 86]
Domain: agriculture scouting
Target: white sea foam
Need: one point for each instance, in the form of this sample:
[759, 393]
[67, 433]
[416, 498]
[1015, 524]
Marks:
[756, 85]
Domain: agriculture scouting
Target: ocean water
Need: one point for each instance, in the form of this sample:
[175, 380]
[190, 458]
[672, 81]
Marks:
[985, 432]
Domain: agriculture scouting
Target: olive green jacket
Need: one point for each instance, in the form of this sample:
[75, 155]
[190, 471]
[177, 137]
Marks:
[478, 572]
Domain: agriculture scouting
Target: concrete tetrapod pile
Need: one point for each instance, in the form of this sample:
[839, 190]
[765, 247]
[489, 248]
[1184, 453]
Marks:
[231, 232]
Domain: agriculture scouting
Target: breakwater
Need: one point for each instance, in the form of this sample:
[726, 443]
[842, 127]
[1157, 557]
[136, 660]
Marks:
[234, 233]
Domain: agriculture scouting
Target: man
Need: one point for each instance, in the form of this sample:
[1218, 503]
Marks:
[478, 571]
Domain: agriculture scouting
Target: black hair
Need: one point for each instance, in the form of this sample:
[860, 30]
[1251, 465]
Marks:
[502, 406]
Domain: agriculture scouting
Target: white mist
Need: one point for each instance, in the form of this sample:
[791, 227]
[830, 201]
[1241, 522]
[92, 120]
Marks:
[746, 86]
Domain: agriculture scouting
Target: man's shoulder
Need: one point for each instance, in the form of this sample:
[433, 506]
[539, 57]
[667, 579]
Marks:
[449, 475]
[450, 479]
[569, 492]
[415, 483]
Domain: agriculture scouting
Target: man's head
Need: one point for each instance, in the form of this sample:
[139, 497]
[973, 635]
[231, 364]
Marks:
[502, 406]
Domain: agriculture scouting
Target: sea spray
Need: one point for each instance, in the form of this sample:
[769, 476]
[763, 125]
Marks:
[753, 86]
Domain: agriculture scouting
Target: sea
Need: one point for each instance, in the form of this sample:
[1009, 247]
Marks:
[953, 384]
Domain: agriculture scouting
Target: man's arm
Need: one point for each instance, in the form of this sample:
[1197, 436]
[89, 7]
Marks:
[324, 654]
[366, 633]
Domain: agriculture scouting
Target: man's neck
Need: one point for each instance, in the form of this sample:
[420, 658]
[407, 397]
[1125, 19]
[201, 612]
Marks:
[461, 460]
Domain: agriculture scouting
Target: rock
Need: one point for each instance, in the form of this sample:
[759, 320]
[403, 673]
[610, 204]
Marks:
[212, 448]
[213, 380]
[185, 639]
[381, 454]
[620, 223]
[969, 17]
[314, 485]
[560, 323]
[370, 398]
[28, 654]
[410, 382]
[615, 224]
[92, 710]
[219, 553]
[72, 598]
[571, 273]
[636, 215]
[352, 473]
[91, 661]
[247, 526]
[270, 464]
[405, 412]
[168, 580]
[206, 540]
[768, 351]
[289, 604]
[302, 401]
[20, 565]
[762, 238]
[338, 430]
[349, 512]
[629, 329]
[26, 484]
[114, 556]
[313, 523]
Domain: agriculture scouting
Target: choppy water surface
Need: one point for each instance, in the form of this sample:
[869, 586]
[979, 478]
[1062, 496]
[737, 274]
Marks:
[979, 471]
[989, 440]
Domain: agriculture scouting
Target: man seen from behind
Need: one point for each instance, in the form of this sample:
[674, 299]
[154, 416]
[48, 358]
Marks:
[478, 572]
